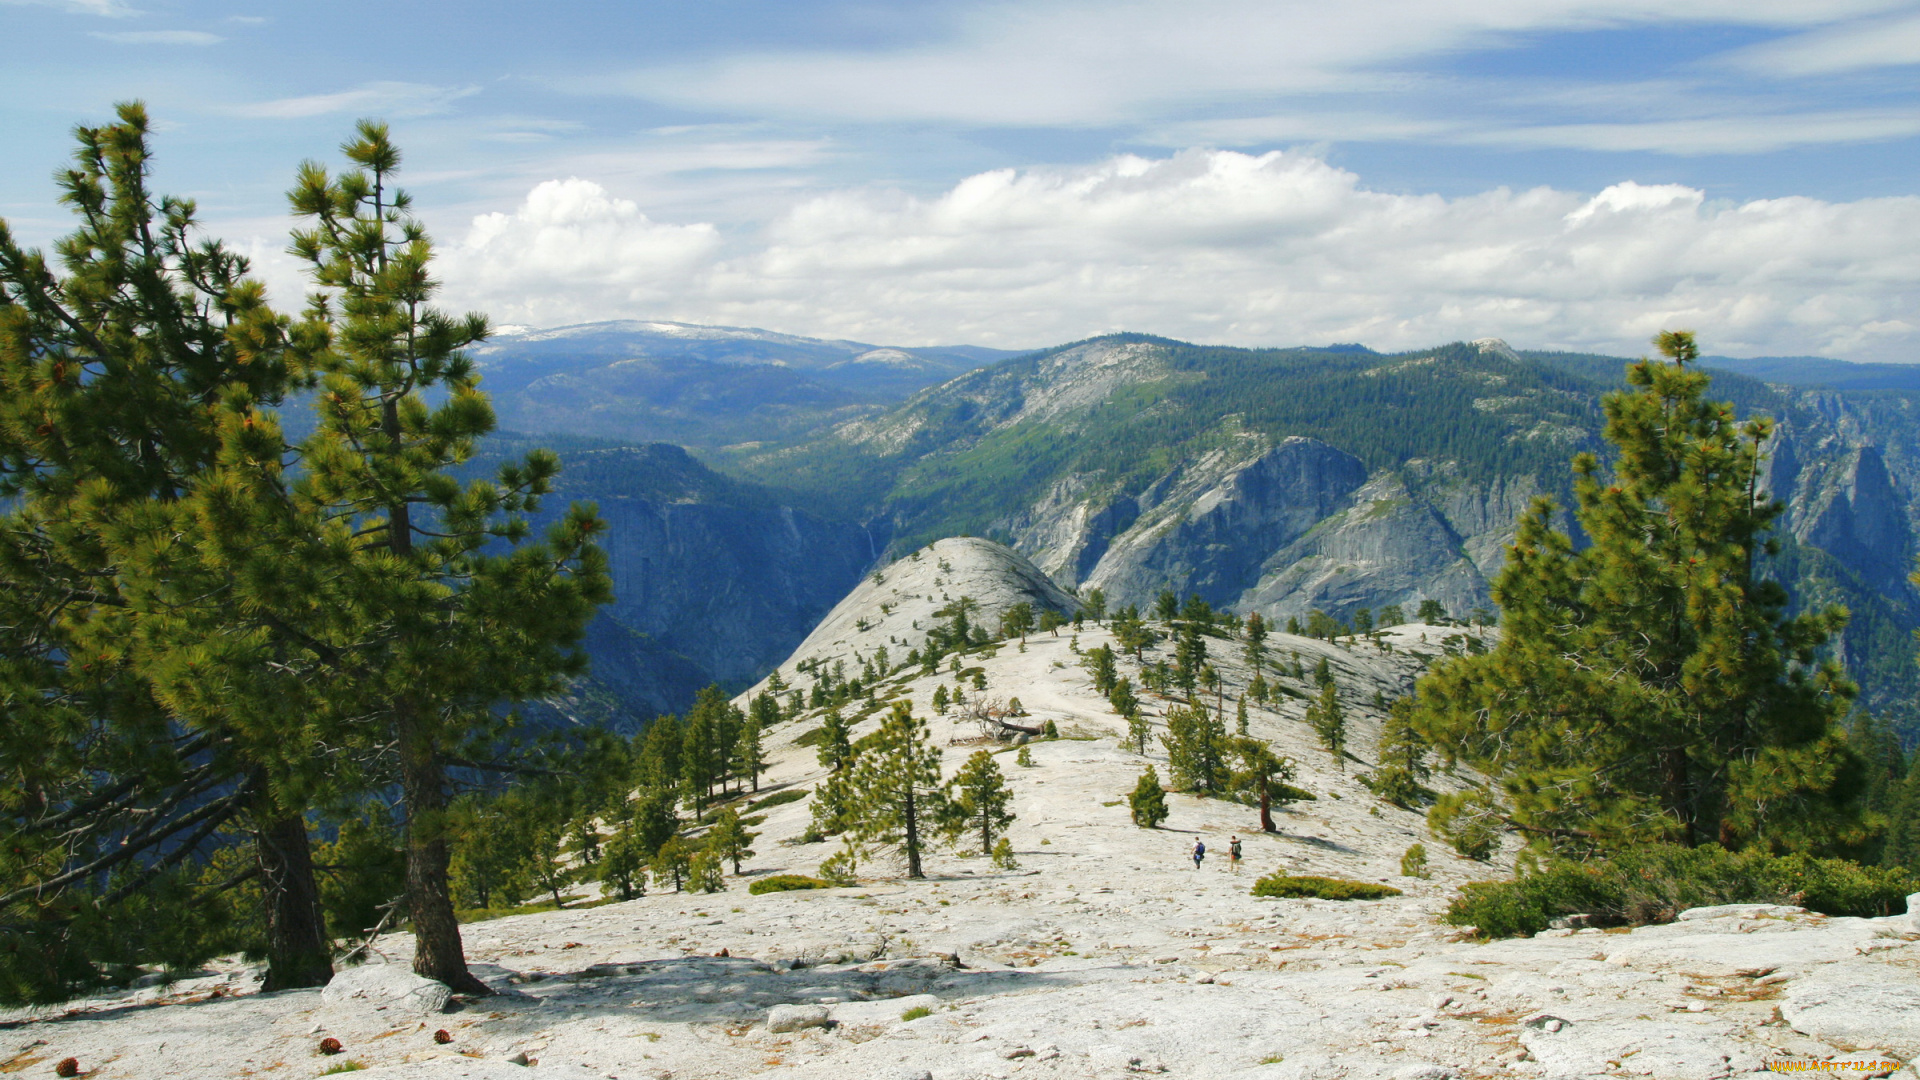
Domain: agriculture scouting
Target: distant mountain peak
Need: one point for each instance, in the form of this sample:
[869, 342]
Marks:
[1493, 346]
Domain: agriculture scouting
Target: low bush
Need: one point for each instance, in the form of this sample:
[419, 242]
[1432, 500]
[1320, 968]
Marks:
[1654, 883]
[917, 1012]
[1285, 886]
[779, 798]
[787, 883]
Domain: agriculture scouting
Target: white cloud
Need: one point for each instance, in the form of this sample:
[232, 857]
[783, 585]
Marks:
[160, 37]
[1217, 246]
[382, 98]
[111, 9]
[1077, 62]
[570, 239]
[1853, 46]
[1715, 134]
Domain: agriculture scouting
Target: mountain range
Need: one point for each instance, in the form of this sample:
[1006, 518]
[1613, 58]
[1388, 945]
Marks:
[1275, 480]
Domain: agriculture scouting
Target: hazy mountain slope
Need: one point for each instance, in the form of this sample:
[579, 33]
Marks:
[715, 579]
[698, 385]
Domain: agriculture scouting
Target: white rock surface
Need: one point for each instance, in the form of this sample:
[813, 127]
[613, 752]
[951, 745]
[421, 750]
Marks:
[1060, 977]
[386, 986]
[911, 590]
[1858, 1007]
[784, 1018]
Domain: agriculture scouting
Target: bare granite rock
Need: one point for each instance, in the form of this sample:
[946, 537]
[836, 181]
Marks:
[391, 987]
[785, 1018]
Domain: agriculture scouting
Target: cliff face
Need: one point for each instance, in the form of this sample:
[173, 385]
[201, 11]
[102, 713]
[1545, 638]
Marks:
[713, 581]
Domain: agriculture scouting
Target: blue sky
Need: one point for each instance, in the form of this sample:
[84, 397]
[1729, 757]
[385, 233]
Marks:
[1562, 173]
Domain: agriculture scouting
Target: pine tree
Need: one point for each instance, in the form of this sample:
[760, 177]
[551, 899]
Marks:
[749, 755]
[670, 863]
[836, 745]
[623, 867]
[730, 838]
[978, 801]
[488, 865]
[1255, 636]
[1902, 845]
[1166, 607]
[896, 786]
[1148, 800]
[1189, 656]
[1402, 754]
[1240, 716]
[1329, 721]
[1016, 621]
[1261, 773]
[1196, 750]
[706, 871]
[1130, 632]
[1651, 686]
[541, 825]
[120, 377]
[1431, 613]
[1100, 664]
[1096, 605]
[384, 570]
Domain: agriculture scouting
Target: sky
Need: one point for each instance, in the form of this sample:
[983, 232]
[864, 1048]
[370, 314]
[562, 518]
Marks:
[1563, 174]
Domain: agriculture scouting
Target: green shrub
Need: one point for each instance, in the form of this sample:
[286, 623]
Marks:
[787, 883]
[1284, 886]
[1414, 862]
[1654, 883]
[916, 1013]
[811, 737]
[779, 798]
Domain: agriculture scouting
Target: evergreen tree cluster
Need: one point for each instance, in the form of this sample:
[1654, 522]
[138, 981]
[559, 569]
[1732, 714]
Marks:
[218, 635]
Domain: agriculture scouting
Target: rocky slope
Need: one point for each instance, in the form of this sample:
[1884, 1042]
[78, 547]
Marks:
[897, 605]
[1105, 954]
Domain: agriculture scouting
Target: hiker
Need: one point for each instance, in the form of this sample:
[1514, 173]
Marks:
[1233, 853]
[1199, 852]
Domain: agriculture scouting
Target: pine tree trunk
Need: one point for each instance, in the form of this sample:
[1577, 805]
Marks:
[297, 952]
[437, 952]
[1266, 807]
[913, 838]
[1678, 782]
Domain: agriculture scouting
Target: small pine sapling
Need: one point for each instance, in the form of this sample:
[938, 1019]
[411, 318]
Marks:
[1414, 863]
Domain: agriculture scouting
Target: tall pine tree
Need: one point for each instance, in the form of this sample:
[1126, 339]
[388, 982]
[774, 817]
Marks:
[420, 599]
[896, 787]
[1653, 686]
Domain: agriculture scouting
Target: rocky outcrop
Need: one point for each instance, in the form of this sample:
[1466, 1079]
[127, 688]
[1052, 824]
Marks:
[1859, 519]
[1207, 526]
[1384, 547]
[895, 607]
